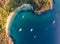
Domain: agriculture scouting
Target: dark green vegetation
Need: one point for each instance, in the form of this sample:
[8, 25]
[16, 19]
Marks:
[16, 3]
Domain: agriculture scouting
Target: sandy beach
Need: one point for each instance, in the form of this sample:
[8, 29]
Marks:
[9, 20]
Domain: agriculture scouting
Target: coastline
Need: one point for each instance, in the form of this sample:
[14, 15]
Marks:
[10, 18]
[12, 14]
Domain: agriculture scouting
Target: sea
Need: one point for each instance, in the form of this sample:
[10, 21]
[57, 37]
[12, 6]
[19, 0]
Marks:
[27, 27]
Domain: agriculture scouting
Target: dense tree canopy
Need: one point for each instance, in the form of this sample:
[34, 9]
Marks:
[37, 4]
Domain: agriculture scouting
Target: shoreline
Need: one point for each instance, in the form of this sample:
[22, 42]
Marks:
[9, 20]
[12, 14]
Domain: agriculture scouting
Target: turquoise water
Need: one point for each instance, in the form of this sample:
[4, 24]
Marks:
[29, 28]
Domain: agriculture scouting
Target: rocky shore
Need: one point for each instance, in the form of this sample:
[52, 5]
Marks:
[45, 7]
[39, 11]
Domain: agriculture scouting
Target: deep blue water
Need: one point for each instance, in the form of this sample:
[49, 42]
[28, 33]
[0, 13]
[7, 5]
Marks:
[44, 26]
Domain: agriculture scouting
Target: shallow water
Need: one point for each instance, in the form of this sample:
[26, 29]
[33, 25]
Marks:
[30, 28]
